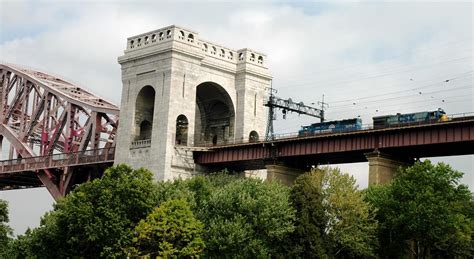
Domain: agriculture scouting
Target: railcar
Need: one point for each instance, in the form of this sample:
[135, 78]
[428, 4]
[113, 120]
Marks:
[409, 118]
[331, 127]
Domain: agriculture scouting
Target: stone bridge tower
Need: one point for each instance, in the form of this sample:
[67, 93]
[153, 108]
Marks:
[180, 91]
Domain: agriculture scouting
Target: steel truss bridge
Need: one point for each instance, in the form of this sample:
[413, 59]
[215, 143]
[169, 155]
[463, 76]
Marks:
[59, 134]
[44, 118]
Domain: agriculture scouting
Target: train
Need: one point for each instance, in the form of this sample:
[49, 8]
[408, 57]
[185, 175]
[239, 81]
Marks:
[379, 122]
[331, 126]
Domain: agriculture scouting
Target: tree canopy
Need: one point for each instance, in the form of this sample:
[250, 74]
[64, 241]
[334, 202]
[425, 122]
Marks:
[169, 230]
[5, 230]
[246, 216]
[425, 209]
[96, 219]
[323, 215]
[332, 218]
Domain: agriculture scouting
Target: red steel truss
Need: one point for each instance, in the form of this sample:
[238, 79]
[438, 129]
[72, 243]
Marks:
[42, 115]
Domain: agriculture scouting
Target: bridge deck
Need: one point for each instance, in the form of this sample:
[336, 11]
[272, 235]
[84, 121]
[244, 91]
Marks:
[453, 137]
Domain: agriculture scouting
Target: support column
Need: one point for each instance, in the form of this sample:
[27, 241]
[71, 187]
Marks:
[383, 167]
[285, 175]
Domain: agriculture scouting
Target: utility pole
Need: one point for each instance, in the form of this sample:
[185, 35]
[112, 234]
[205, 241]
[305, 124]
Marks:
[323, 107]
[269, 135]
[287, 106]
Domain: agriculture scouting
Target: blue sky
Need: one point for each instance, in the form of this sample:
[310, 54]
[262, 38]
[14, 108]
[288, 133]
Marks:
[349, 51]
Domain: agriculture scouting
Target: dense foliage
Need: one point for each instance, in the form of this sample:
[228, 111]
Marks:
[5, 230]
[96, 219]
[332, 218]
[425, 210]
[308, 239]
[125, 213]
[170, 230]
[247, 217]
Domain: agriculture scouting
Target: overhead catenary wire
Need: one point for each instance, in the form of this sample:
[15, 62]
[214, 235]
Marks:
[440, 82]
[463, 87]
[383, 74]
[420, 52]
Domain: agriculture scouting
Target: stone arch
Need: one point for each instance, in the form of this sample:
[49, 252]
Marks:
[253, 136]
[215, 114]
[181, 130]
[144, 109]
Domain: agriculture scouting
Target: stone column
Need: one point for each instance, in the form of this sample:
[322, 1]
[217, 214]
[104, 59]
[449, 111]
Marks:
[285, 175]
[383, 167]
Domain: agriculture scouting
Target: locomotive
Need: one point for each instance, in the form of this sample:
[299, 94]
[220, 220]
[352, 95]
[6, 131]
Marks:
[331, 126]
[379, 122]
[409, 118]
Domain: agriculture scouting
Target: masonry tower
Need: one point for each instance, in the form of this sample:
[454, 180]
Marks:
[180, 91]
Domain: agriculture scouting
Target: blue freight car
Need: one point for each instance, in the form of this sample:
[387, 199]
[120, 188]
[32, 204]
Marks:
[331, 127]
[409, 118]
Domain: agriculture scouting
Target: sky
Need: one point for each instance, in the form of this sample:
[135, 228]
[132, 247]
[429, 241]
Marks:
[366, 58]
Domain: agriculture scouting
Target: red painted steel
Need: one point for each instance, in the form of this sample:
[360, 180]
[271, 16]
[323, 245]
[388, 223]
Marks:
[438, 139]
[42, 115]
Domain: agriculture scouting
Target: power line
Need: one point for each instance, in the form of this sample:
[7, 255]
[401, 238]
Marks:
[443, 81]
[405, 96]
[384, 74]
[391, 59]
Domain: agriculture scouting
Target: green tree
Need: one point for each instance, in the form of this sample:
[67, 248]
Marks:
[245, 217]
[390, 243]
[426, 209]
[351, 227]
[332, 218]
[307, 240]
[170, 230]
[95, 220]
[5, 230]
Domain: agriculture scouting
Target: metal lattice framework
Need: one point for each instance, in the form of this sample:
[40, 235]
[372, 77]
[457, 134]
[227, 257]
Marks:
[42, 115]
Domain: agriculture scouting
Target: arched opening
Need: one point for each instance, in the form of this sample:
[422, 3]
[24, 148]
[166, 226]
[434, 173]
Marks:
[190, 37]
[253, 136]
[260, 59]
[144, 108]
[214, 122]
[145, 130]
[182, 130]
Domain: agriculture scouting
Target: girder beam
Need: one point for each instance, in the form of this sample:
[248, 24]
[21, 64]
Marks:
[42, 115]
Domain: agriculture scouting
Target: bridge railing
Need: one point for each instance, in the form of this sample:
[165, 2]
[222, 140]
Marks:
[141, 143]
[58, 160]
[290, 135]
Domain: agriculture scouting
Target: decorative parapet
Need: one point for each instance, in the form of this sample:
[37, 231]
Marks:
[209, 49]
[141, 143]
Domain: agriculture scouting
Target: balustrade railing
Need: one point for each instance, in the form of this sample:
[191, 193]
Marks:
[58, 160]
[141, 143]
